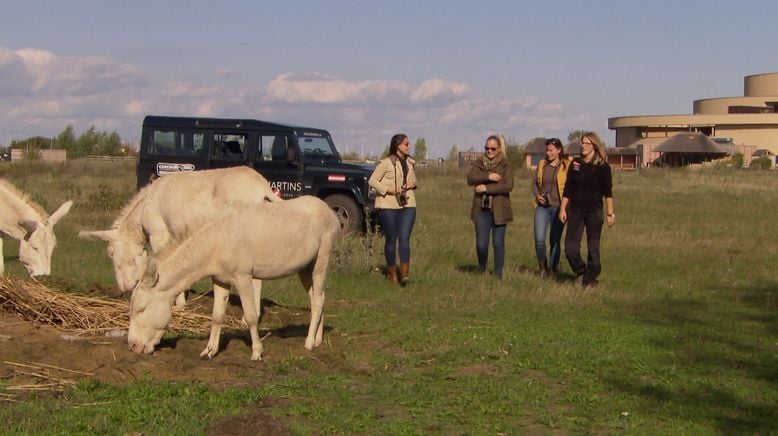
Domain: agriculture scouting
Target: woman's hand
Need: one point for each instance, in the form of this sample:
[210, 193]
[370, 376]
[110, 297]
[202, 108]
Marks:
[563, 216]
[480, 189]
[611, 220]
[540, 199]
[495, 177]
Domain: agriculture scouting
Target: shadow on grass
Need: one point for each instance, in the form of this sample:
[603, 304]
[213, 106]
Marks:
[702, 338]
[469, 269]
[728, 413]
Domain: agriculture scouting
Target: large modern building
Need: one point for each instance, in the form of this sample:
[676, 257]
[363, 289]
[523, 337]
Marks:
[746, 123]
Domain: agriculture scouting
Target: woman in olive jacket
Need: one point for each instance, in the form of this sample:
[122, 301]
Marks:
[395, 183]
[492, 177]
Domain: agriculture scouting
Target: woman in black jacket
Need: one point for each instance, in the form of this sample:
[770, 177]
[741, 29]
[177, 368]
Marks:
[588, 181]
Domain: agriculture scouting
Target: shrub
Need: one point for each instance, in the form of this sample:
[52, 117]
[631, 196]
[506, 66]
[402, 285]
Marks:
[737, 160]
[761, 163]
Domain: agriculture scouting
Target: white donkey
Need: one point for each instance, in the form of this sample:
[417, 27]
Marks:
[171, 208]
[23, 219]
[265, 241]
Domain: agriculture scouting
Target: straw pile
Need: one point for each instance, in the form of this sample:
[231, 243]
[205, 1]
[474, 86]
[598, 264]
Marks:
[83, 315]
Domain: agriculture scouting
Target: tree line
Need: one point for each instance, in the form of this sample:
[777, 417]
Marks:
[89, 142]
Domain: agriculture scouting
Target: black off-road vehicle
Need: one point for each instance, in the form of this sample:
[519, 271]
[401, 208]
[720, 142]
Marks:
[295, 160]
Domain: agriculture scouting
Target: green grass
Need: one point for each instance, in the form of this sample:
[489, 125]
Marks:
[681, 336]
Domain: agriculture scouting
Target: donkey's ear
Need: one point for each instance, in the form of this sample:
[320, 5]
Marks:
[29, 226]
[150, 274]
[94, 235]
[61, 212]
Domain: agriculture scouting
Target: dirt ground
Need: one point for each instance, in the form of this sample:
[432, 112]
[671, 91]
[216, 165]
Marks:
[44, 355]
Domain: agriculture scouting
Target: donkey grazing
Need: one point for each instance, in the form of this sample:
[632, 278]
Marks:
[171, 208]
[23, 219]
[264, 241]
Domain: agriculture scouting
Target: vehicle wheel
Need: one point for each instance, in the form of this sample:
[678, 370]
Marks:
[348, 211]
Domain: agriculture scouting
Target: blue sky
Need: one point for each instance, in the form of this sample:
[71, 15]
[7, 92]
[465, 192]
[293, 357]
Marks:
[450, 71]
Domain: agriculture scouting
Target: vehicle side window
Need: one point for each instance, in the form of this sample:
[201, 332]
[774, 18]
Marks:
[228, 146]
[172, 143]
[273, 148]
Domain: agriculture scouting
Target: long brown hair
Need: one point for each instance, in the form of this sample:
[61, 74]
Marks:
[558, 145]
[395, 142]
[599, 149]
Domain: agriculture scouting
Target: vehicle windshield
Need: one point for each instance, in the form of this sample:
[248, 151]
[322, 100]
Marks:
[316, 146]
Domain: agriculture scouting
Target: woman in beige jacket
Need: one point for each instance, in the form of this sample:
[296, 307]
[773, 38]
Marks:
[395, 182]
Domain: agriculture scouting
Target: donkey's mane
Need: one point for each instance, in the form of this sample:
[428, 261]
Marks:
[20, 198]
[130, 207]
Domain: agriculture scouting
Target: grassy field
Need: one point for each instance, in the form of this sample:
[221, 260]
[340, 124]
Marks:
[681, 336]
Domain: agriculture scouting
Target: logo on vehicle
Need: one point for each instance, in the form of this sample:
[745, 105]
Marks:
[286, 186]
[166, 168]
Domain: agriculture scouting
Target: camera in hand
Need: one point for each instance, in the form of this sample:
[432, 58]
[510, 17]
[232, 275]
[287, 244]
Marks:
[486, 202]
[402, 199]
[546, 199]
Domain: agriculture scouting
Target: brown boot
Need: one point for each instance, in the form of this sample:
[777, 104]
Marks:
[404, 269]
[391, 274]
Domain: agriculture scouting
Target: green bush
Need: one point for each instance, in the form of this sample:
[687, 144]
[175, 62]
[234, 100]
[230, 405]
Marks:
[761, 163]
[737, 160]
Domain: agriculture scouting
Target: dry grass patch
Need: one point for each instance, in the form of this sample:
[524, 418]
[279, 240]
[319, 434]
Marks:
[33, 301]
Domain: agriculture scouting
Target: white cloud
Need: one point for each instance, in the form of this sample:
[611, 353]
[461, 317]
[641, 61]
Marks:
[42, 92]
[31, 71]
[435, 88]
[319, 88]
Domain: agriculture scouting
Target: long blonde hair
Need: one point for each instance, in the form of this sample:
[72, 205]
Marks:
[599, 149]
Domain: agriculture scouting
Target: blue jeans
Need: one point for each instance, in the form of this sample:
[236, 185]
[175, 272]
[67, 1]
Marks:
[484, 227]
[397, 225]
[546, 217]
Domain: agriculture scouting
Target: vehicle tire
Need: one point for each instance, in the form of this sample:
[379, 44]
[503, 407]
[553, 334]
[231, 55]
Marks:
[348, 211]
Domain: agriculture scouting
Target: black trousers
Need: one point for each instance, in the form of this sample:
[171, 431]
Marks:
[577, 221]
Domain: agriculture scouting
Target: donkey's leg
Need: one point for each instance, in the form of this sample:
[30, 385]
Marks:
[257, 285]
[319, 278]
[246, 293]
[312, 283]
[2, 258]
[221, 294]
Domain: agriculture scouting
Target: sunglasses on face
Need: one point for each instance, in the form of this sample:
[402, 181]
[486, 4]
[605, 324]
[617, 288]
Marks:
[490, 148]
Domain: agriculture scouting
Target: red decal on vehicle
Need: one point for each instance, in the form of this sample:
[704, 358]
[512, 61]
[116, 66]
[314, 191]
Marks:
[336, 178]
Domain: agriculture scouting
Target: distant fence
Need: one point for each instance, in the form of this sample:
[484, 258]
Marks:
[110, 158]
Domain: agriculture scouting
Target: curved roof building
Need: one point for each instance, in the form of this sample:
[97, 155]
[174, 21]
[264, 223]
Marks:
[750, 120]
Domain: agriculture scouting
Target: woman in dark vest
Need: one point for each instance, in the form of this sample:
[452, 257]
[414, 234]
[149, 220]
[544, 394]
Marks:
[547, 187]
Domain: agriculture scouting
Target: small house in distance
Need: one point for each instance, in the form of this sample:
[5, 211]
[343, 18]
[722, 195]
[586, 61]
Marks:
[622, 158]
[534, 151]
[689, 148]
[466, 158]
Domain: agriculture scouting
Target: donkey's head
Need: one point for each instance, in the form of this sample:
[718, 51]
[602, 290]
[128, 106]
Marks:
[38, 243]
[128, 256]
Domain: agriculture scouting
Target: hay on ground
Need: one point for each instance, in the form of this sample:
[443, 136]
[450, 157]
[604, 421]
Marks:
[33, 301]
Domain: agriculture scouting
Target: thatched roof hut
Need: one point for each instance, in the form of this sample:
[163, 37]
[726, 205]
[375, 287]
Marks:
[534, 151]
[689, 148]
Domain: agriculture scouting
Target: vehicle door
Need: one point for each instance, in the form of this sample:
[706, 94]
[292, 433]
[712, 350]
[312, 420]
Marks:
[165, 151]
[278, 160]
